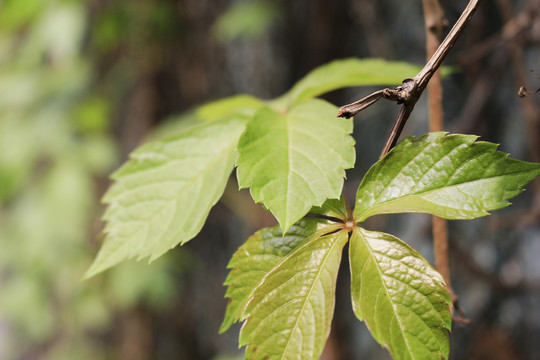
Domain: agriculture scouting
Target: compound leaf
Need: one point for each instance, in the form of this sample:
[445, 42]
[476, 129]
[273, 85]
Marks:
[260, 254]
[290, 312]
[296, 160]
[450, 176]
[162, 196]
[400, 296]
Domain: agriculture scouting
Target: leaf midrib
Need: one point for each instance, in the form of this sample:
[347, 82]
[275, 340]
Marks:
[371, 210]
[181, 187]
[371, 251]
[181, 190]
[317, 236]
[289, 171]
[330, 251]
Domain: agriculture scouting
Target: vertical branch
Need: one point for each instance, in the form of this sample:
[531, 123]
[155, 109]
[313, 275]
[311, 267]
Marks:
[435, 24]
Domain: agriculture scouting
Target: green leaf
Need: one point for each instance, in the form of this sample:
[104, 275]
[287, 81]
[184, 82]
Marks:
[260, 254]
[332, 207]
[450, 176]
[228, 107]
[296, 160]
[290, 311]
[345, 73]
[400, 296]
[162, 196]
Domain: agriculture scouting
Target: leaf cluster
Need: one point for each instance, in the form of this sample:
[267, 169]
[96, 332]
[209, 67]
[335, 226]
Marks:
[292, 153]
[287, 303]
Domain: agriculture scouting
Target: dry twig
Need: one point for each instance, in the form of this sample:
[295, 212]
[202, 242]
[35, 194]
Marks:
[411, 89]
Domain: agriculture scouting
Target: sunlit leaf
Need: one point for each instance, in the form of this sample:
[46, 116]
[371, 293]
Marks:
[400, 296]
[290, 311]
[162, 196]
[345, 73]
[260, 254]
[450, 176]
[235, 105]
[296, 160]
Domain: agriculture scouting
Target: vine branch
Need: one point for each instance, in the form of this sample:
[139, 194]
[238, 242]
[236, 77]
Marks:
[411, 88]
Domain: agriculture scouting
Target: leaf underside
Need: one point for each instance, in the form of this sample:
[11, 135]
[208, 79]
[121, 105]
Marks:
[400, 296]
[258, 256]
[290, 312]
[335, 208]
[296, 160]
[163, 194]
[450, 176]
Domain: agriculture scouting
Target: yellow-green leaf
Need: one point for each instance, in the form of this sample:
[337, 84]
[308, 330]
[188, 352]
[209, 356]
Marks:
[345, 73]
[290, 312]
[162, 196]
[450, 176]
[293, 161]
[260, 254]
[400, 296]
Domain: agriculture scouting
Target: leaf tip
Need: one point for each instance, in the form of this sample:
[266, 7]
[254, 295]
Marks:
[93, 270]
[225, 325]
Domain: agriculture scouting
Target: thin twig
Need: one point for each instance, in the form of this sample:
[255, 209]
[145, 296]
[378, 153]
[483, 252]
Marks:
[410, 90]
[399, 124]
[448, 43]
[354, 108]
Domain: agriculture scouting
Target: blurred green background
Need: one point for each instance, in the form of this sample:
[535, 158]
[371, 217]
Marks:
[83, 82]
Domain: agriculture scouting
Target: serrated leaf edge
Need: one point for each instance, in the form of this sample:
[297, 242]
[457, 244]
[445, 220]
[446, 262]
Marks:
[439, 137]
[320, 233]
[243, 341]
[360, 231]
